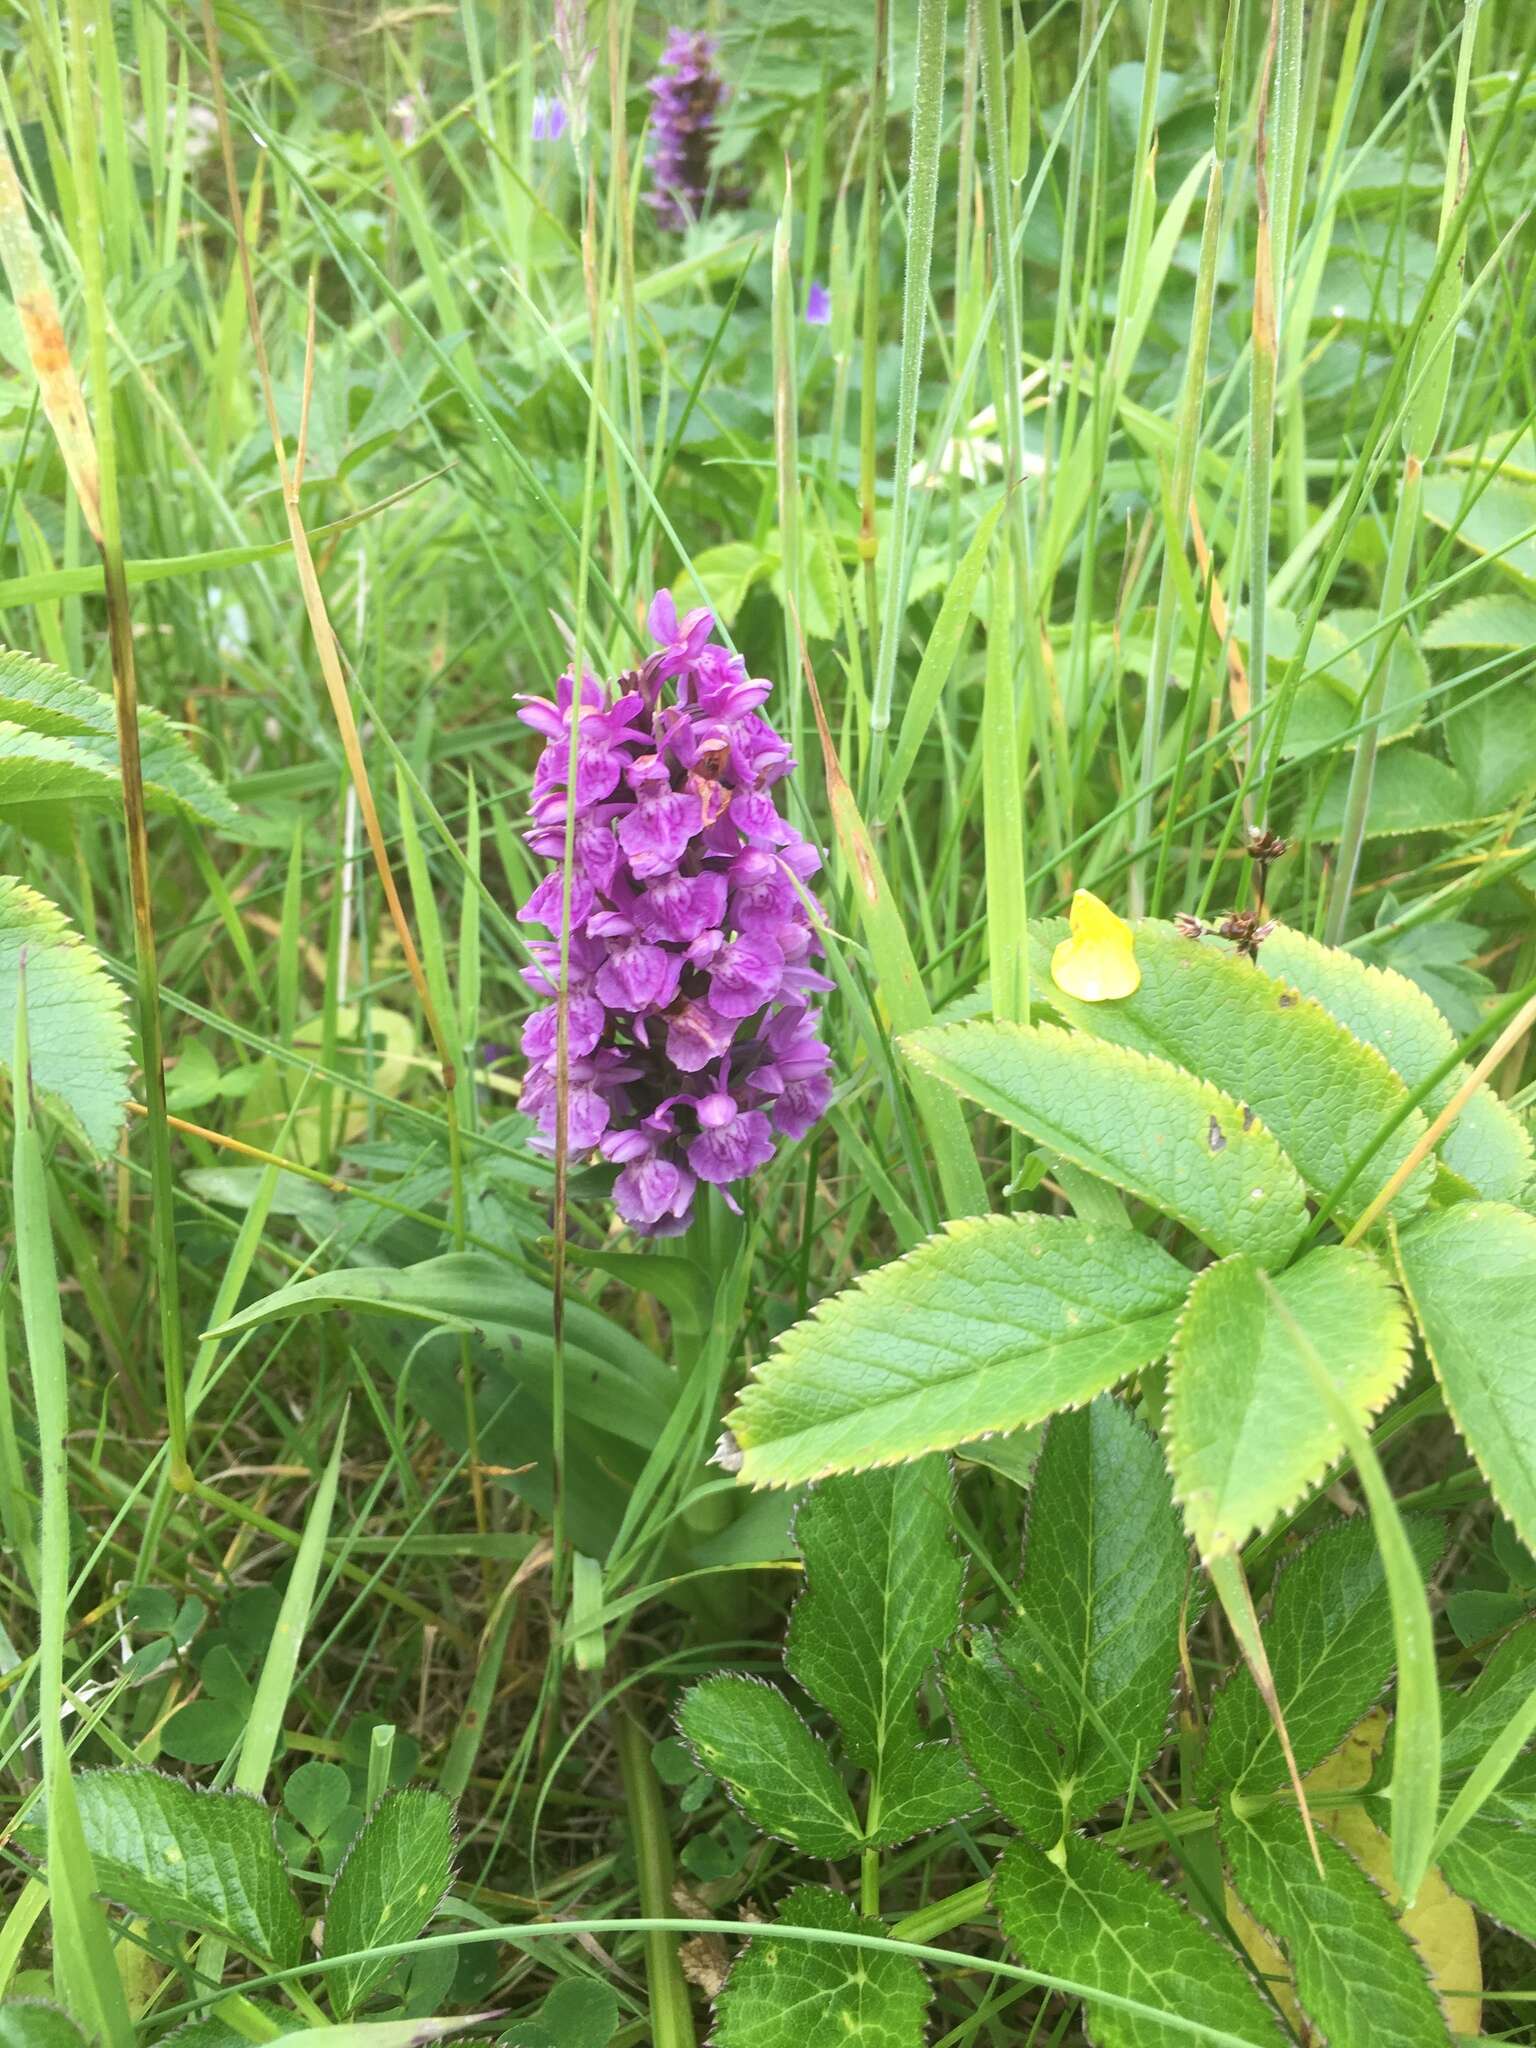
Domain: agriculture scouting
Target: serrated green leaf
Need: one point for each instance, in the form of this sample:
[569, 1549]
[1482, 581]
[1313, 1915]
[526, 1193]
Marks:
[997, 1322]
[1498, 521]
[1322, 1094]
[1004, 1735]
[750, 1737]
[1500, 619]
[1470, 1272]
[79, 1035]
[1247, 1433]
[1101, 1921]
[882, 1592]
[1357, 1975]
[1492, 740]
[1105, 1569]
[388, 1886]
[820, 1994]
[197, 1859]
[34, 2023]
[1472, 1719]
[1412, 791]
[1492, 1864]
[58, 742]
[1329, 1639]
[1487, 1146]
[920, 1789]
[1150, 1128]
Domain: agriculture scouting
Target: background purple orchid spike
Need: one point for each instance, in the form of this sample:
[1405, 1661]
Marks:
[692, 1044]
[688, 93]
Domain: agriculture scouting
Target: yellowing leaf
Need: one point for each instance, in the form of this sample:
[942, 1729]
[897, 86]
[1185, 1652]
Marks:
[1442, 1927]
[1097, 964]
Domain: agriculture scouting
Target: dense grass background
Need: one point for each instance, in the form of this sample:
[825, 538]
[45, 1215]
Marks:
[527, 407]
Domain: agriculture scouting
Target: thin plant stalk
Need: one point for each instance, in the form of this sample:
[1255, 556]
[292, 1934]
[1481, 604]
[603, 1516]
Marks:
[1421, 426]
[1186, 446]
[870, 316]
[922, 199]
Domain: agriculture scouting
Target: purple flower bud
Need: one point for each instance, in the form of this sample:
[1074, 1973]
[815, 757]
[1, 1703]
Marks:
[691, 942]
[818, 306]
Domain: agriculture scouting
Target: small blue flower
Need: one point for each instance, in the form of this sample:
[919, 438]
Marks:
[548, 118]
[818, 306]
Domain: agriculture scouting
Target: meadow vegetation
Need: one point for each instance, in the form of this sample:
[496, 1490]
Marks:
[831, 1344]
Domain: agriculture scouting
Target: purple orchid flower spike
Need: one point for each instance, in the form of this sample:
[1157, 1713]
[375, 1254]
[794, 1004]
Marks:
[691, 1045]
[687, 93]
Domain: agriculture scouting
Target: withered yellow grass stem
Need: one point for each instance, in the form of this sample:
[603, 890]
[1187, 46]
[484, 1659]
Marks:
[228, 1144]
[1511, 1035]
[93, 474]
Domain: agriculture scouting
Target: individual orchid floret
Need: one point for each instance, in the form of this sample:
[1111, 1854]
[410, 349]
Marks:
[691, 1046]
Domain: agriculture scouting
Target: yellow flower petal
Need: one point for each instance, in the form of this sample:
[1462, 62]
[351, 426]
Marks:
[1098, 963]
